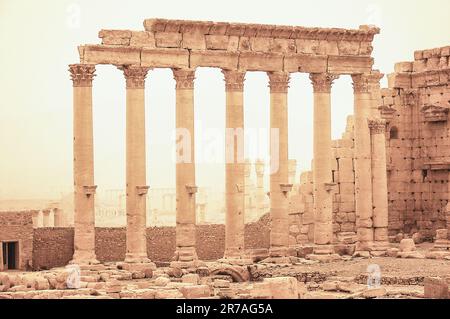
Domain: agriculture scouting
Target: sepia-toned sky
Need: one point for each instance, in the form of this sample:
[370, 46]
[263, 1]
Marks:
[38, 39]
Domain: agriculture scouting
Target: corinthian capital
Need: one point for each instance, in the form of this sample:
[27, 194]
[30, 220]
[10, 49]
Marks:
[134, 76]
[234, 80]
[363, 82]
[279, 82]
[322, 82]
[377, 126]
[82, 74]
[184, 78]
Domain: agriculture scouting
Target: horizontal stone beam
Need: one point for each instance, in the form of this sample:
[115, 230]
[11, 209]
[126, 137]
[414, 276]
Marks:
[249, 60]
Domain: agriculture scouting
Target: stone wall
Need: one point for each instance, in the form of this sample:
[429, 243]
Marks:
[302, 202]
[18, 227]
[53, 247]
[416, 106]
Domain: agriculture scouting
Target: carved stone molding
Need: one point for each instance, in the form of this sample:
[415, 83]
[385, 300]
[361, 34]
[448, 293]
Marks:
[134, 76]
[234, 80]
[82, 74]
[435, 113]
[279, 82]
[387, 113]
[322, 82]
[184, 78]
[377, 126]
[411, 97]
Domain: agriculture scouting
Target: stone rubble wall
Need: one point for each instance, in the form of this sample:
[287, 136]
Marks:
[53, 247]
[416, 106]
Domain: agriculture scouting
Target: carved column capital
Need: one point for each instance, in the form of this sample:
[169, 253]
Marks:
[134, 76]
[234, 80]
[279, 82]
[322, 82]
[377, 126]
[184, 78]
[363, 83]
[82, 74]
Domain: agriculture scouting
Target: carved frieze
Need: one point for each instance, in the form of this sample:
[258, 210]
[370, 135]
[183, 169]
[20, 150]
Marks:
[435, 113]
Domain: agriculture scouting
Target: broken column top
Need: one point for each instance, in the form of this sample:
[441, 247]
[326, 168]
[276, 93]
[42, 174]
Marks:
[364, 33]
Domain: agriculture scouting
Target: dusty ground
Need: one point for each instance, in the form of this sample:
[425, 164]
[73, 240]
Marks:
[400, 278]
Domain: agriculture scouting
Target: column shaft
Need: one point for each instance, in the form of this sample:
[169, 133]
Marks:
[83, 152]
[363, 163]
[136, 189]
[185, 167]
[322, 169]
[379, 184]
[235, 165]
[377, 128]
[279, 178]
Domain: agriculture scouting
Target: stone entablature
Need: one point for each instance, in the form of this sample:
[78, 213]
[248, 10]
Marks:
[232, 46]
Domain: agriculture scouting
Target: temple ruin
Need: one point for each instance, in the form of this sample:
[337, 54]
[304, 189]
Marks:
[379, 191]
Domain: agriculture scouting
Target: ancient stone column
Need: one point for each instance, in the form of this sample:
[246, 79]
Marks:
[363, 164]
[46, 218]
[322, 169]
[235, 164]
[136, 186]
[83, 153]
[377, 128]
[186, 189]
[279, 179]
[379, 185]
[260, 194]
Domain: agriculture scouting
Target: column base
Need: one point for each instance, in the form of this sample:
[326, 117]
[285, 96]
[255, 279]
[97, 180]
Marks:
[84, 258]
[323, 253]
[137, 258]
[380, 248]
[441, 245]
[185, 254]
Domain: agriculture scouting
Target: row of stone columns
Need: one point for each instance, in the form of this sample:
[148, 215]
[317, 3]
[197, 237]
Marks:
[371, 212]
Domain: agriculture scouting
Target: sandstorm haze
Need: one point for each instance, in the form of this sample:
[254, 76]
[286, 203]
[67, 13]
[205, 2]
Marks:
[39, 40]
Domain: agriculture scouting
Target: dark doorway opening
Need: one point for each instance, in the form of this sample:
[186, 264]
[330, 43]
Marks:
[10, 255]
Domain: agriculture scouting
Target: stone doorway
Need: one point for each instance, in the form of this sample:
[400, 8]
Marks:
[10, 255]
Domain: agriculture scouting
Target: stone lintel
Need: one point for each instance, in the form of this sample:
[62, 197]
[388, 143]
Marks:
[231, 60]
[220, 59]
[349, 64]
[165, 58]
[305, 63]
[255, 61]
[105, 54]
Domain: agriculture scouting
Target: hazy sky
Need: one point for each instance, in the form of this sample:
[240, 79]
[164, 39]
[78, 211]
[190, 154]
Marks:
[38, 39]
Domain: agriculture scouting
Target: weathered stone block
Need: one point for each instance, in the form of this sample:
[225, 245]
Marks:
[168, 39]
[165, 58]
[436, 288]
